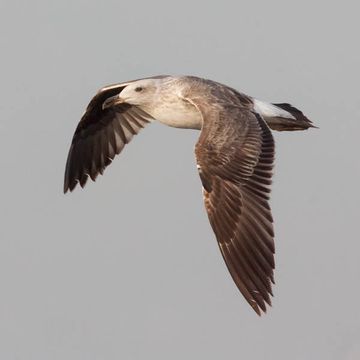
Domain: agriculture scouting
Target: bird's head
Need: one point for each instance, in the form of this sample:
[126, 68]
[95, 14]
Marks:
[139, 93]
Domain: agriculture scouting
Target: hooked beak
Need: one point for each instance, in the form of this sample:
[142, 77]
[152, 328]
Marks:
[112, 101]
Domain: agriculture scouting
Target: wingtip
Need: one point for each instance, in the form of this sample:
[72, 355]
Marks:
[256, 308]
[66, 187]
[261, 312]
[70, 186]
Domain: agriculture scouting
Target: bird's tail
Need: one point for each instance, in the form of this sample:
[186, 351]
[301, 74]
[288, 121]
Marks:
[282, 117]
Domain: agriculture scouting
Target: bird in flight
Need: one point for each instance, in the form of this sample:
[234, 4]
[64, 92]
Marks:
[234, 155]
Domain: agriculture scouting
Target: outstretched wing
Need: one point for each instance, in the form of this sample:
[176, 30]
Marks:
[235, 155]
[100, 135]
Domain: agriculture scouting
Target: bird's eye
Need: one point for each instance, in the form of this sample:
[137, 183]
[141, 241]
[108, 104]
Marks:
[138, 89]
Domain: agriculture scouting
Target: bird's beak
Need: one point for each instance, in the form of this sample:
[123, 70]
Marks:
[112, 101]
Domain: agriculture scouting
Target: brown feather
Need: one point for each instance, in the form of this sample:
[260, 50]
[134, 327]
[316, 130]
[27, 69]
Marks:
[235, 155]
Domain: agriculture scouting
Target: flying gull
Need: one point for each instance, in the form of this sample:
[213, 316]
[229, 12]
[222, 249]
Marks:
[234, 155]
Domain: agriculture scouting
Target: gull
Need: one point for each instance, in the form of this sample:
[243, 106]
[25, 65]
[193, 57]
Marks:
[234, 155]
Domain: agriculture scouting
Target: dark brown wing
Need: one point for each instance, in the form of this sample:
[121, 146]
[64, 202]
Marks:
[235, 155]
[100, 135]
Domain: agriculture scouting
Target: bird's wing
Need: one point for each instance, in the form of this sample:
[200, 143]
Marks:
[100, 135]
[235, 155]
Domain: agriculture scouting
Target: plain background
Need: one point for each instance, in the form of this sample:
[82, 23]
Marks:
[129, 268]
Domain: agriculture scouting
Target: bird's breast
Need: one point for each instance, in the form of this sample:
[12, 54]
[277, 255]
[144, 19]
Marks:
[179, 114]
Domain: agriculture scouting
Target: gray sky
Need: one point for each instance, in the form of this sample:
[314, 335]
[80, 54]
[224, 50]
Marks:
[129, 267]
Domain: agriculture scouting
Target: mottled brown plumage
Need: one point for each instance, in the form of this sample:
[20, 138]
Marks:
[234, 154]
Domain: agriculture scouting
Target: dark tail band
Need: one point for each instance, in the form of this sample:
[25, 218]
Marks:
[301, 122]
